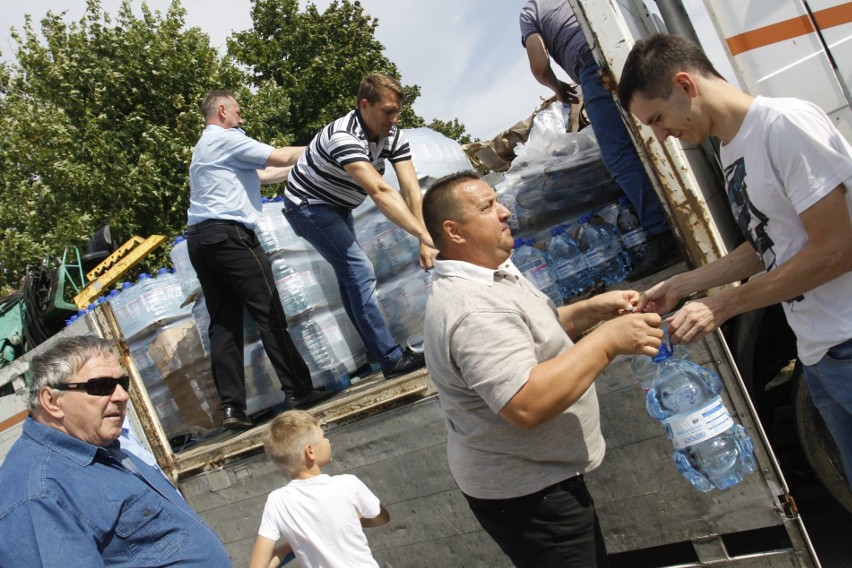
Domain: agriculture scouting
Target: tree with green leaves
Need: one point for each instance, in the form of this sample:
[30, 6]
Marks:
[318, 59]
[99, 116]
[99, 119]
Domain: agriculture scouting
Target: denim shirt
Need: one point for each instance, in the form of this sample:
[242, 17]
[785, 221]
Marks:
[65, 502]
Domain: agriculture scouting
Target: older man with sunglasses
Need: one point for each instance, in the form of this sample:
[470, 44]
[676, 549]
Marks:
[71, 496]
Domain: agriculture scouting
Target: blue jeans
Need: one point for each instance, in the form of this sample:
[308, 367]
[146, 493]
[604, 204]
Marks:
[331, 231]
[830, 383]
[617, 150]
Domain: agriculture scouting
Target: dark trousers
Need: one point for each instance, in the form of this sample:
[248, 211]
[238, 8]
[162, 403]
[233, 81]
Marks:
[554, 527]
[234, 271]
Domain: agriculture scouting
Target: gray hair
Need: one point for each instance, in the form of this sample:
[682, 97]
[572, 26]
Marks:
[60, 362]
[212, 100]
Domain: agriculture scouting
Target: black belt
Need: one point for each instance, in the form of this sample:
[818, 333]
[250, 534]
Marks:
[213, 223]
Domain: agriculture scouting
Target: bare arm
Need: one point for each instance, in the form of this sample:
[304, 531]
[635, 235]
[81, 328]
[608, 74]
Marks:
[543, 72]
[387, 199]
[381, 519]
[825, 256]
[285, 156]
[263, 553]
[737, 265]
[554, 385]
[412, 195]
[579, 317]
[273, 174]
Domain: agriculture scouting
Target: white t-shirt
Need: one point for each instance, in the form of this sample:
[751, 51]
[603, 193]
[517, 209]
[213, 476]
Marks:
[786, 157]
[319, 517]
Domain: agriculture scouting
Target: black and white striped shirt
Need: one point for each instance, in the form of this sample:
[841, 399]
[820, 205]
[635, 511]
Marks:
[319, 176]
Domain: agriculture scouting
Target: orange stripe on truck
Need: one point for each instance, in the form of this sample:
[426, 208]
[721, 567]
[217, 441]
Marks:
[12, 420]
[789, 29]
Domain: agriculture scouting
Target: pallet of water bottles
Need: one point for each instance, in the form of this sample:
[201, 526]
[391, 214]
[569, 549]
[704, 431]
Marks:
[588, 252]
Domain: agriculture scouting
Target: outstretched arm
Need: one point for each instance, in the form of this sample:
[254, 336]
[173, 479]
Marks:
[554, 385]
[409, 188]
[387, 199]
[543, 72]
[825, 256]
[285, 156]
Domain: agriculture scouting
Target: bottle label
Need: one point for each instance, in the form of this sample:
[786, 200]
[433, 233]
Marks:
[566, 269]
[634, 238]
[689, 428]
[599, 255]
[540, 276]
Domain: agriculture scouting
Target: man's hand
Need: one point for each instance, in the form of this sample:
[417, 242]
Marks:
[633, 334]
[614, 303]
[427, 256]
[695, 320]
[660, 299]
[566, 93]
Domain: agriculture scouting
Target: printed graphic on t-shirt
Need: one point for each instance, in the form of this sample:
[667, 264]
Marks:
[752, 222]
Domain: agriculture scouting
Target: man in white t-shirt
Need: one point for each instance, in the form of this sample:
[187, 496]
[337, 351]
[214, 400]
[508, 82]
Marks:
[788, 172]
[317, 516]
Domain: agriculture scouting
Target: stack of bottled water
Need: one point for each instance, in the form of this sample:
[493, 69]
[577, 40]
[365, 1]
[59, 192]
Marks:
[533, 264]
[569, 264]
[600, 250]
[150, 301]
[711, 450]
[403, 303]
[390, 248]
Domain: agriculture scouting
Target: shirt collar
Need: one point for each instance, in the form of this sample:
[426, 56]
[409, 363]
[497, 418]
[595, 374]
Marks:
[474, 272]
[62, 443]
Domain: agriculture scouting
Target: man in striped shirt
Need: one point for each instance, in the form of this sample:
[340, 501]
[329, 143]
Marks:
[341, 167]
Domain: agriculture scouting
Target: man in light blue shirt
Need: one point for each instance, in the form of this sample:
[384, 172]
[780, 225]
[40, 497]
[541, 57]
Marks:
[225, 175]
[71, 495]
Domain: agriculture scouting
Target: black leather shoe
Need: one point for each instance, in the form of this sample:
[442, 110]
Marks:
[235, 419]
[410, 361]
[661, 253]
[305, 401]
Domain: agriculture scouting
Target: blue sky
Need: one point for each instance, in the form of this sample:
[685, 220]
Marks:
[465, 55]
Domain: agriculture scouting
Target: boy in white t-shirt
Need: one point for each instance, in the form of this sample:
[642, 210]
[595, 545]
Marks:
[317, 516]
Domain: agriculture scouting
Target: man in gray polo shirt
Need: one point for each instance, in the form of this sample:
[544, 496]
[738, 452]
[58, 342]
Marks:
[518, 394]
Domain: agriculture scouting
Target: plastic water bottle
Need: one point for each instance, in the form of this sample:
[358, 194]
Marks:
[326, 369]
[533, 264]
[568, 263]
[711, 450]
[269, 229]
[633, 235]
[183, 267]
[600, 251]
[291, 289]
[607, 217]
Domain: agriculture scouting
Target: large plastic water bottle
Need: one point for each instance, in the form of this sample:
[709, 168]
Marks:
[291, 288]
[183, 267]
[633, 235]
[269, 228]
[711, 450]
[568, 263]
[533, 264]
[326, 369]
[607, 217]
[600, 250]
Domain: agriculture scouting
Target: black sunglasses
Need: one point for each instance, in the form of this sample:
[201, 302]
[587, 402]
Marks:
[100, 386]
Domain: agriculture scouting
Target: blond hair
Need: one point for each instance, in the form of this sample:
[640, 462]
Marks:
[287, 437]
